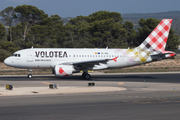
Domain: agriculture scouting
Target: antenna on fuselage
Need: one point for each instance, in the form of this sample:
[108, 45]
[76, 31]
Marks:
[107, 47]
[32, 47]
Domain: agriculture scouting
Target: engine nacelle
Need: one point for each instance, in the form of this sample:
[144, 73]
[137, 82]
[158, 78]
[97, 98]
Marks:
[63, 70]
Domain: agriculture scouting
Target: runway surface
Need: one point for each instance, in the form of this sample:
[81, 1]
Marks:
[148, 96]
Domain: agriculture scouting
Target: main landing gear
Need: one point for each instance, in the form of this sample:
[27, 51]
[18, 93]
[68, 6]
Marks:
[86, 76]
[30, 73]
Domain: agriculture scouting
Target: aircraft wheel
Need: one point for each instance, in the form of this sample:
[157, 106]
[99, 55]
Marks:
[29, 75]
[87, 76]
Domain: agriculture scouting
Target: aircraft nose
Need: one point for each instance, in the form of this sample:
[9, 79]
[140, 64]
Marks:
[7, 61]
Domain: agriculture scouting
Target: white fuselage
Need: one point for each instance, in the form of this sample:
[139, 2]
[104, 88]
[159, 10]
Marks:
[48, 57]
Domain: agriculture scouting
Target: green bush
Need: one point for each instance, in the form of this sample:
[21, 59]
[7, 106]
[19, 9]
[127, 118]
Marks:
[4, 54]
[9, 46]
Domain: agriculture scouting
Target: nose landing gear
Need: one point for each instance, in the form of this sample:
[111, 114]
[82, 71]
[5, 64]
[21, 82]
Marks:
[30, 73]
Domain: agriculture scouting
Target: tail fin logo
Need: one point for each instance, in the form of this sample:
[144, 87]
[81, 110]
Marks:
[156, 41]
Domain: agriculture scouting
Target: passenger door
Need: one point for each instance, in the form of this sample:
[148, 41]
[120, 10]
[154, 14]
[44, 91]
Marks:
[29, 56]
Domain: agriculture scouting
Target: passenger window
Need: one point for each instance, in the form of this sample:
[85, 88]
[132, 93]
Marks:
[19, 55]
[82, 55]
[69, 55]
[15, 55]
[74, 55]
[79, 55]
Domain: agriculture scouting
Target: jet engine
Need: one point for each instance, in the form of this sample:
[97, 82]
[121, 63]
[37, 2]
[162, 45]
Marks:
[63, 70]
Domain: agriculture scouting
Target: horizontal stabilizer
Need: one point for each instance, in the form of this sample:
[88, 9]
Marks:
[163, 55]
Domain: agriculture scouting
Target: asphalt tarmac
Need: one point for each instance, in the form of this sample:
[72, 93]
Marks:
[148, 96]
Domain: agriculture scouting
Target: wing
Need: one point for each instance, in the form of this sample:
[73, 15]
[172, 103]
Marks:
[94, 62]
[90, 64]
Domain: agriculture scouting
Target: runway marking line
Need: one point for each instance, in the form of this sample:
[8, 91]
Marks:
[46, 83]
[120, 83]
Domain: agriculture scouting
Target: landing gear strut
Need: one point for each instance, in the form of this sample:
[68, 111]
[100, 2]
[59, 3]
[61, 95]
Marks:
[86, 76]
[30, 73]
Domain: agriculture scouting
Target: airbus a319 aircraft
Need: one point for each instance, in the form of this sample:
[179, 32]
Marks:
[66, 61]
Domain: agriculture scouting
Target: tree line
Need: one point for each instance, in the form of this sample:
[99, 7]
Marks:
[135, 17]
[98, 30]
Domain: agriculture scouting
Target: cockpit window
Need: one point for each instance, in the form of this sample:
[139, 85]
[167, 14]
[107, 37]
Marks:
[16, 55]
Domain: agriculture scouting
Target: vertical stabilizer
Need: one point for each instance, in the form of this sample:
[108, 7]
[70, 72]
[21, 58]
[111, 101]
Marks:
[157, 40]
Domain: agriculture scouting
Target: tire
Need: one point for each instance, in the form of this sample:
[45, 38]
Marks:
[87, 76]
[29, 75]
